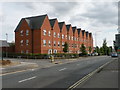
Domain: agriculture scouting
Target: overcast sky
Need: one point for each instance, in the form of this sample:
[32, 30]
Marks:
[100, 18]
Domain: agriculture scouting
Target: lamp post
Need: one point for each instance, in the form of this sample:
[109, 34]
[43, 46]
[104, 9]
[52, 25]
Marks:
[6, 45]
[96, 37]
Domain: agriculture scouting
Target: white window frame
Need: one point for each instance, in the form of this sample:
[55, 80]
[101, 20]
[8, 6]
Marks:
[27, 32]
[27, 42]
[54, 43]
[54, 34]
[21, 42]
[62, 36]
[49, 43]
[58, 35]
[49, 33]
[44, 42]
[44, 32]
[58, 44]
[21, 33]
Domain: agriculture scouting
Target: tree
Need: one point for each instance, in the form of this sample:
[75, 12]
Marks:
[90, 49]
[65, 49]
[105, 47]
[83, 49]
[101, 50]
[97, 49]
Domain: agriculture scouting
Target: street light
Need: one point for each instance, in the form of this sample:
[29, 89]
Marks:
[96, 37]
[6, 41]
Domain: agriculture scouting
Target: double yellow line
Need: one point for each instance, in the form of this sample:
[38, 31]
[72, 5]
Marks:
[87, 76]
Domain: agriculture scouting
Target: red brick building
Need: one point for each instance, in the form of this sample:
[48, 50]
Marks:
[70, 38]
[40, 34]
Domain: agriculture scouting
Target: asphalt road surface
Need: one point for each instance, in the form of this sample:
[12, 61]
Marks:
[59, 76]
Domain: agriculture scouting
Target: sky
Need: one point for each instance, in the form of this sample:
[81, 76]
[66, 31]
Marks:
[100, 18]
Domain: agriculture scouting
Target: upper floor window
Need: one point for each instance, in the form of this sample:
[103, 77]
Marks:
[69, 37]
[27, 42]
[49, 33]
[58, 35]
[54, 34]
[58, 43]
[44, 32]
[49, 43]
[66, 36]
[62, 43]
[54, 43]
[72, 38]
[21, 42]
[44, 42]
[21, 33]
[27, 32]
[62, 36]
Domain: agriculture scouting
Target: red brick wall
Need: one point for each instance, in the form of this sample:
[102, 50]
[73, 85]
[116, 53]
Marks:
[70, 42]
[46, 26]
[64, 32]
[56, 29]
[24, 26]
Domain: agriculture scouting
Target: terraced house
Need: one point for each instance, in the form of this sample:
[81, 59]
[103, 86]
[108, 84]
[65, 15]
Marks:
[39, 34]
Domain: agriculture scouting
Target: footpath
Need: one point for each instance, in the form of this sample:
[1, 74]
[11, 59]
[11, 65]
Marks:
[105, 78]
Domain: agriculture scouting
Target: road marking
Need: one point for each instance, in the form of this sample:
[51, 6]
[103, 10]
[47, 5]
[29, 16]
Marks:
[87, 76]
[62, 69]
[26, 79]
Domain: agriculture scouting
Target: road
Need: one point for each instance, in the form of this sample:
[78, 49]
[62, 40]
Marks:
[59, 76]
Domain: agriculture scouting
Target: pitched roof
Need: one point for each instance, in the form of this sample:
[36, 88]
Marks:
[86, 33]
[52, 22]
[61, 25]
[68, 27]
[79, 29]
[83, 32]
[73, 28]
[34, 22]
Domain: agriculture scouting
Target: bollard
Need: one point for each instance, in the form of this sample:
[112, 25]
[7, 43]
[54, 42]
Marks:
[52, 58]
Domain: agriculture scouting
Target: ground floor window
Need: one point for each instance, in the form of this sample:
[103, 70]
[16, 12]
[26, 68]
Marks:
[50, 51]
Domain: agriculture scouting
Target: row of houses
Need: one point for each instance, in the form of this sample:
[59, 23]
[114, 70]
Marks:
[39, 34]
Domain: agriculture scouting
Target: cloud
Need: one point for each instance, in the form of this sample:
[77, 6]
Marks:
[91, 16]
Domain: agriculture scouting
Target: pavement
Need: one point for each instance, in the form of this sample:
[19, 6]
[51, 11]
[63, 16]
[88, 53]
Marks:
[107, 77]
[58, 76]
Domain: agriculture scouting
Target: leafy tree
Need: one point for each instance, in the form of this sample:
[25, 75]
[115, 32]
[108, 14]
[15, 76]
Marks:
[90, 49]
[101, 50]
[105, 47]
[97, 49]
[83, 49]
[65, 49]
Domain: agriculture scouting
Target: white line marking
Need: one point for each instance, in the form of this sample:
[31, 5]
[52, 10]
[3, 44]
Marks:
[62, 69]
[27, 79]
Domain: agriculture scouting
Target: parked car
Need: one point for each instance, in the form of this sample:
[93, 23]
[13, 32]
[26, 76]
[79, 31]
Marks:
[114, 55]
[95, 54]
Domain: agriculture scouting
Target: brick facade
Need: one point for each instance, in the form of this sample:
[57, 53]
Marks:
[43, 35]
